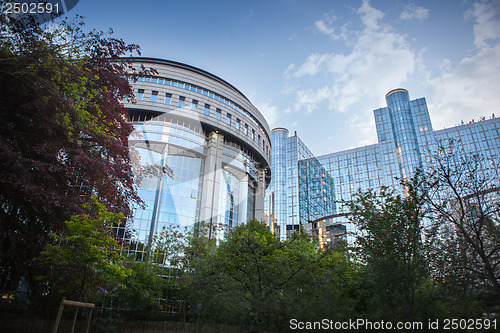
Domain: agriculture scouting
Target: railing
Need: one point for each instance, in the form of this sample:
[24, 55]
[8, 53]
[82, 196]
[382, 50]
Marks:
[23, 325]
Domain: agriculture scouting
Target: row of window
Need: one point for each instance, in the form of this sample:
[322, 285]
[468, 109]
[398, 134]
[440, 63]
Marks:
[199, 90]
[236, 122]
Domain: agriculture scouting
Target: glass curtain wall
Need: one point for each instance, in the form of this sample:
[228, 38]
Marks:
[171, 199]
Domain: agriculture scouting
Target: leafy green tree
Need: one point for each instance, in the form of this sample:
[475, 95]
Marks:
[166, 247]
[86, 259]
[392, 247]
[204, 287]
[154, 283]
[329, 288]
[244, 280]
[140, 294]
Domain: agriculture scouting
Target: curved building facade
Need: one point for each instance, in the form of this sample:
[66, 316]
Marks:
[212, 143]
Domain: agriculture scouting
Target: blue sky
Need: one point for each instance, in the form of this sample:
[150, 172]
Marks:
[321, 67]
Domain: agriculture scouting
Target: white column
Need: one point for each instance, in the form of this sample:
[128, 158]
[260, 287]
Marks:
[243, 205]
[259, 195]
[211, 179]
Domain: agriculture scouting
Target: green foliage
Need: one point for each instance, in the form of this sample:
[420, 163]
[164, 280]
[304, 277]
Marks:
[328, 288]
[254, 279]
[86, 257]
[261, 266]
[141, 291]
[166, 247]
[392, 246]
[153, 286]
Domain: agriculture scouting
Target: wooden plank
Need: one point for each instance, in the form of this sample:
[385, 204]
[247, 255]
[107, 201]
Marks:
[79, 304]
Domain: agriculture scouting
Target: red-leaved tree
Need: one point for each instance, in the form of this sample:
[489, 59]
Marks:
[63, 133]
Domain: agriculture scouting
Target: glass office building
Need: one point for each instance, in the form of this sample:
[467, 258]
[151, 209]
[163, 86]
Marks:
[212, 144]
[300, 190]
[406, 141]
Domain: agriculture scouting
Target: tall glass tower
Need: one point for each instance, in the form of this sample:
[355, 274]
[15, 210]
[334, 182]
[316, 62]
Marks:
[300, 190]
[406, 141]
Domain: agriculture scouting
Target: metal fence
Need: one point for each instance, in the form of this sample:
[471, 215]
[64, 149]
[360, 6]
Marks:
[23, 325]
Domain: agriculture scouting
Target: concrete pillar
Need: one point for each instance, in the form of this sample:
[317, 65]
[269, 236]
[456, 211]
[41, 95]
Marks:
[259, 195]
[243, 198]
[211, 179]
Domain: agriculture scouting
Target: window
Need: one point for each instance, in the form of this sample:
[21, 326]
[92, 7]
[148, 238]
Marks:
[154, 96]
[206, 110]
[181, 101]
[228, 119]
[218, 113]
[194, 105]
[253, 134]
[237, 124]
[140, 94]
[168, 98]
[245, 130]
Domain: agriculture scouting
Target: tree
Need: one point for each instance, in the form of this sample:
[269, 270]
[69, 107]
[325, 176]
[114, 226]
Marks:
[86, 259]
[153, 289]
[465, 200]
[64, 134]
[329, 288]
[392, 246]
[244, 280]
[140, 293]
[455, 287]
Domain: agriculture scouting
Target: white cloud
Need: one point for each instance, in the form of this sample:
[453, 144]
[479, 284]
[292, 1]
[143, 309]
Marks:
[363, 124]
[380, 59]
[487, 26]
[377, 58]
[308, 100]
[270, 113]
[322, 27]
[414, 13]
[330, 17]
[290, 69]
[311, 66]
[469, 89]
[370, 16]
